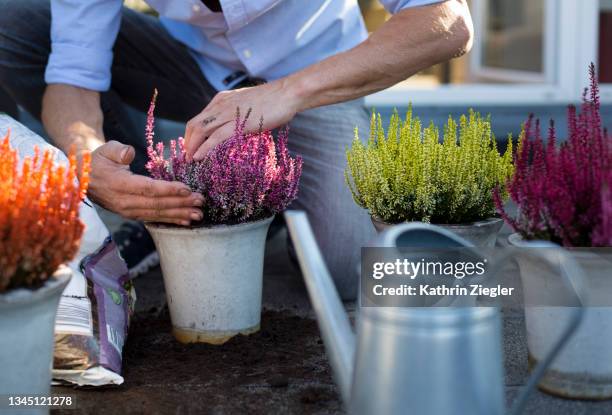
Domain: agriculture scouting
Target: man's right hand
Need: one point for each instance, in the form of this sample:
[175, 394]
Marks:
[113, 186]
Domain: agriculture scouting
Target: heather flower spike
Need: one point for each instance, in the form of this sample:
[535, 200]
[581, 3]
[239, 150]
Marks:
[563, 192]
[245, 178]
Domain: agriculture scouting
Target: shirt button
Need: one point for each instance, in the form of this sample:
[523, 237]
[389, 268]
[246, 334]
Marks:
[195, 8]
[247, 53]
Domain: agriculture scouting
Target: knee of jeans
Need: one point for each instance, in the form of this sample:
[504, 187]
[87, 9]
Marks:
[18, 14]
[347, 287]
[345, 276]
[24, 32]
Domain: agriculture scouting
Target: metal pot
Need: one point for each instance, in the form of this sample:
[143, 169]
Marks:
[482, 233]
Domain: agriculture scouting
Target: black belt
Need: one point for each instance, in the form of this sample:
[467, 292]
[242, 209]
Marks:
[245, 82]
[213, 5]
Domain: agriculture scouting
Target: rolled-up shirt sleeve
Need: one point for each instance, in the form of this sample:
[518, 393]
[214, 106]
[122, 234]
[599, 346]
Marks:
[83, 33]
[394, 6]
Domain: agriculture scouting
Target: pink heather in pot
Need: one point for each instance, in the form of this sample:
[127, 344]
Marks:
[563, 193]
[245, 178]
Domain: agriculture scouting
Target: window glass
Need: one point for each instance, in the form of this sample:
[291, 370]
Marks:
[513, 37]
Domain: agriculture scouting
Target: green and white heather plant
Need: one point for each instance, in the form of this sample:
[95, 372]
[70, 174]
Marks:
[409, 175]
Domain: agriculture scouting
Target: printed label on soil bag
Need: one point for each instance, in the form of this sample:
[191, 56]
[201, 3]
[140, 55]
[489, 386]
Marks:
[110, 278]
[74, 316]
[93, 318]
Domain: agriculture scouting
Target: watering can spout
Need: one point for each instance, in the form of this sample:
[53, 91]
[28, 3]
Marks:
[333, 321]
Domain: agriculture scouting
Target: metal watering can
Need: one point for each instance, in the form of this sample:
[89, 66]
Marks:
[422, 361]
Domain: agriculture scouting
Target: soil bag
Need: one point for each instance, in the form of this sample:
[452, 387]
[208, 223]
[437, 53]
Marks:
[96, 306]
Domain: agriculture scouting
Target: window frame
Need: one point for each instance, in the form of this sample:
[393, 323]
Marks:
[567, 68]
[606, 89]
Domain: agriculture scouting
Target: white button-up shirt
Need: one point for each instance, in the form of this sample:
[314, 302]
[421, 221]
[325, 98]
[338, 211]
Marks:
[266, 39]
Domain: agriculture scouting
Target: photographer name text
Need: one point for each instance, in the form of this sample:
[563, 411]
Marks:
[411, 270]
[475, 290]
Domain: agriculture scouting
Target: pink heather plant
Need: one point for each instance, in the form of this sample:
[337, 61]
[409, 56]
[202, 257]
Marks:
[246, 178]
[564, 192]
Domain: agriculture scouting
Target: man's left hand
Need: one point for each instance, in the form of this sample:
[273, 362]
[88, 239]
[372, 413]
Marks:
[274, 101]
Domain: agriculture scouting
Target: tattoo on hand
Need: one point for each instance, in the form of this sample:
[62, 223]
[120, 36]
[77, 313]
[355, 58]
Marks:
[208, 120]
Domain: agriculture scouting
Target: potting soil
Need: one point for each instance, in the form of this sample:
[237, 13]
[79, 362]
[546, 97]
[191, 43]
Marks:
[282, 369]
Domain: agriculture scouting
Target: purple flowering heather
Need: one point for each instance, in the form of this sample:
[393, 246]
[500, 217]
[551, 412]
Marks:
[245, 178]
[563, 192]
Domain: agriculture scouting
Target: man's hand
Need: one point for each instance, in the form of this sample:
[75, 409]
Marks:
[73, 118]
[412, 40]
[114, 187]
[273, 101]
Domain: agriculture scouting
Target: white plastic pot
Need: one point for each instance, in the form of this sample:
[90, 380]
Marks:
[583, 370]
[27, 320]
[213, 278]
[482, 233]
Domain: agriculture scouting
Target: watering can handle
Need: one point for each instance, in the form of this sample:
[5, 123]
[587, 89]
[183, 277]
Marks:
[573, 277]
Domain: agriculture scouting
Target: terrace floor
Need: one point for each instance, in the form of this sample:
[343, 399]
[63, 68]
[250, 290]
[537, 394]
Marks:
[281, 369]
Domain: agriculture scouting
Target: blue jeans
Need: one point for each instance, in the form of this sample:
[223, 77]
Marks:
[147, 57]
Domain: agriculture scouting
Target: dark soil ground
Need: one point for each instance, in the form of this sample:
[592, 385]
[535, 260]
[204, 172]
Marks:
[280, 369]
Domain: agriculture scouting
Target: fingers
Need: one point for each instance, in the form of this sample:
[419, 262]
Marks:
[117, 152]
[205, 122]
[139, 197]
[160, 204]
[173, 209]
[199, 133]
[220, 111]
[178, 216]
[221, 134]
[145, 186]
[194, 137]
[147, 199]
[127, 155]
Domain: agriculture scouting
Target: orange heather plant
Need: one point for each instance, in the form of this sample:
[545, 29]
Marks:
[39, 215]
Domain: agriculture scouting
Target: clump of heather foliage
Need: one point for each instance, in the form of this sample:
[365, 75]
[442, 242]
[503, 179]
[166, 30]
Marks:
[245, 178]
[564, 192]
[408, 174]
